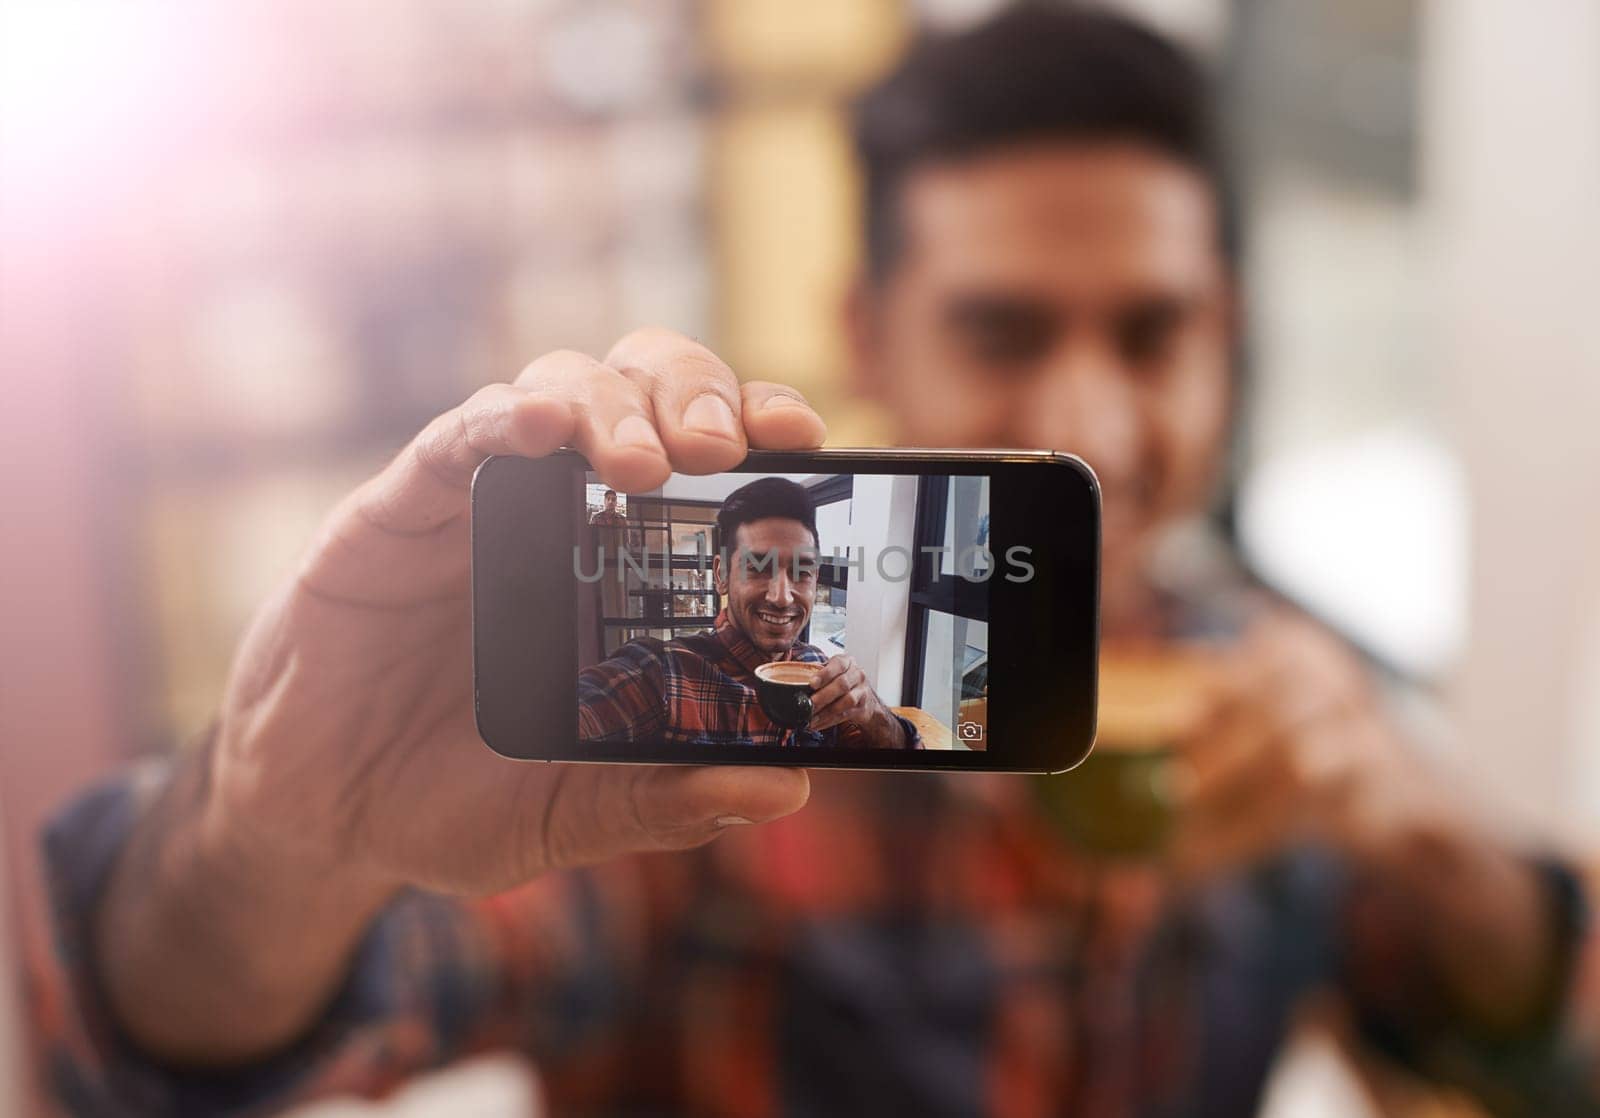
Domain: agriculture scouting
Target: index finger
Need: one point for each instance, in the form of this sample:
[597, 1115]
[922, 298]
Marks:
[832, 669]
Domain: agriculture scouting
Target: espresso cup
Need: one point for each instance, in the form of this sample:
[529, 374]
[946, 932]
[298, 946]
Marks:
[783, 689]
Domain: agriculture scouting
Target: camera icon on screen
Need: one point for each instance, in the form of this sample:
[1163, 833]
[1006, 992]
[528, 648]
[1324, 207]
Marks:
[970, 731]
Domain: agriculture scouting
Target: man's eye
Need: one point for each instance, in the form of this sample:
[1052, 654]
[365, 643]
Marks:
[1146, 336]
[1009, 343]
[1002, 333]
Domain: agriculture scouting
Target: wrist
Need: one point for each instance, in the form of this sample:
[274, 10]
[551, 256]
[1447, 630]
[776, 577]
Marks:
[1473, 901]
[258, 861]
[888, 729]
[214, 945]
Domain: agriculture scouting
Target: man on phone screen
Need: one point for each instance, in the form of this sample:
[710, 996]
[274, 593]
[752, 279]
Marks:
[701, 690]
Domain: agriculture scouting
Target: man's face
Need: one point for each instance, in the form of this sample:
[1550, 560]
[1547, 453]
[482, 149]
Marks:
[769, 582]
[1062, 297]
[611, 502]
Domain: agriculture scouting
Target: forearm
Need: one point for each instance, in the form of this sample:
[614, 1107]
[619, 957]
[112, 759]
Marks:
[213, 949]
[1479, 972]
[1480, 919]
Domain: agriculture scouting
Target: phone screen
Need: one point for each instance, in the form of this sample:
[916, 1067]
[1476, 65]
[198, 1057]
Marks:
[851, 608]
[796, 610]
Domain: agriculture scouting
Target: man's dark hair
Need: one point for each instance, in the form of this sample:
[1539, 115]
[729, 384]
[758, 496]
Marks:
[1036, 71]
[763, 498]
[611, 493]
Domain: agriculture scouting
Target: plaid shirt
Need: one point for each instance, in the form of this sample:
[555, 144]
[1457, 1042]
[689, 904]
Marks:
[697, 690]
[909, 944]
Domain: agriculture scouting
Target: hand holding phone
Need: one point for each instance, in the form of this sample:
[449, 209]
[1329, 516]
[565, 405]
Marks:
[347, 740]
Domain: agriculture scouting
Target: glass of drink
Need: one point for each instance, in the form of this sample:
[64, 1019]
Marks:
[1121, 802]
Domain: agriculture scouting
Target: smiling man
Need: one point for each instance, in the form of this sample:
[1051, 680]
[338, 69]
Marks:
[701, 689]
[343, 887]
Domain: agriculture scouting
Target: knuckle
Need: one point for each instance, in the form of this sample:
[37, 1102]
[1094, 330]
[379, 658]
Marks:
[489, 397]
[659, 345]
[645, 338]
[666, 361]
[703, 363]
[483, 411]
[437, 450]
[693, 374]
[769, 388]
[558, 367]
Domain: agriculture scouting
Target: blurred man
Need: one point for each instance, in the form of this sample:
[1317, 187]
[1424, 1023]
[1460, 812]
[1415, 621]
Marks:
[701, 689]
[608, 516]
[269, 918]
[610, 540]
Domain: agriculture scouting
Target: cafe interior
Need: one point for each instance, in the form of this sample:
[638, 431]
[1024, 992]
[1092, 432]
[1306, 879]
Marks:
[246, 250]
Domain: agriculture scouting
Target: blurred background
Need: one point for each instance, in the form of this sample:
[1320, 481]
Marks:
[249, 249]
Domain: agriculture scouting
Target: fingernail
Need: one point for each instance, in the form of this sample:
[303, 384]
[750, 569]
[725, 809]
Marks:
[635, 430]
[731, 820]
[781, 401]
[710, 415]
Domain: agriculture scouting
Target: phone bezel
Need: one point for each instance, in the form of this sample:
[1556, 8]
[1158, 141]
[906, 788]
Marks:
[1043, 634]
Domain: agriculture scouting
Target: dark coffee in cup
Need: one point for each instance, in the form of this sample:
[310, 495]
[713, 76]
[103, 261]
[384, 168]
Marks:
[784, 691]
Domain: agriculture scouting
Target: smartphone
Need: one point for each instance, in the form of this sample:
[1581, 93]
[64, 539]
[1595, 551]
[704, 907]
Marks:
[871, 609]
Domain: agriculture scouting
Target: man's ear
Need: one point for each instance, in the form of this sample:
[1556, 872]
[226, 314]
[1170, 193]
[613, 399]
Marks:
[719, 575]
[859, 312]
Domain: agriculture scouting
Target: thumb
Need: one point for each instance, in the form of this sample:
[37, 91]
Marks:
[664, 807]
[677, 804]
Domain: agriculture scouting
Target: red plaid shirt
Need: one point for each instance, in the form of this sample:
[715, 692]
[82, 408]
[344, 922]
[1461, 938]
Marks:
[908, 944]
[697, 690]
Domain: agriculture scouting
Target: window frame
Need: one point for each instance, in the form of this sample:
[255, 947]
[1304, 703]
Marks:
[931, 590]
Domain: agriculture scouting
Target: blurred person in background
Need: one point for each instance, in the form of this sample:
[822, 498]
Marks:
[607, 515]
[284, 914]
[610, 540]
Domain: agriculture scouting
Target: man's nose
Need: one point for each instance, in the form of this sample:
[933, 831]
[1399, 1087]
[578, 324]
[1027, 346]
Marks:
[1086, 403]
[780, 588]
